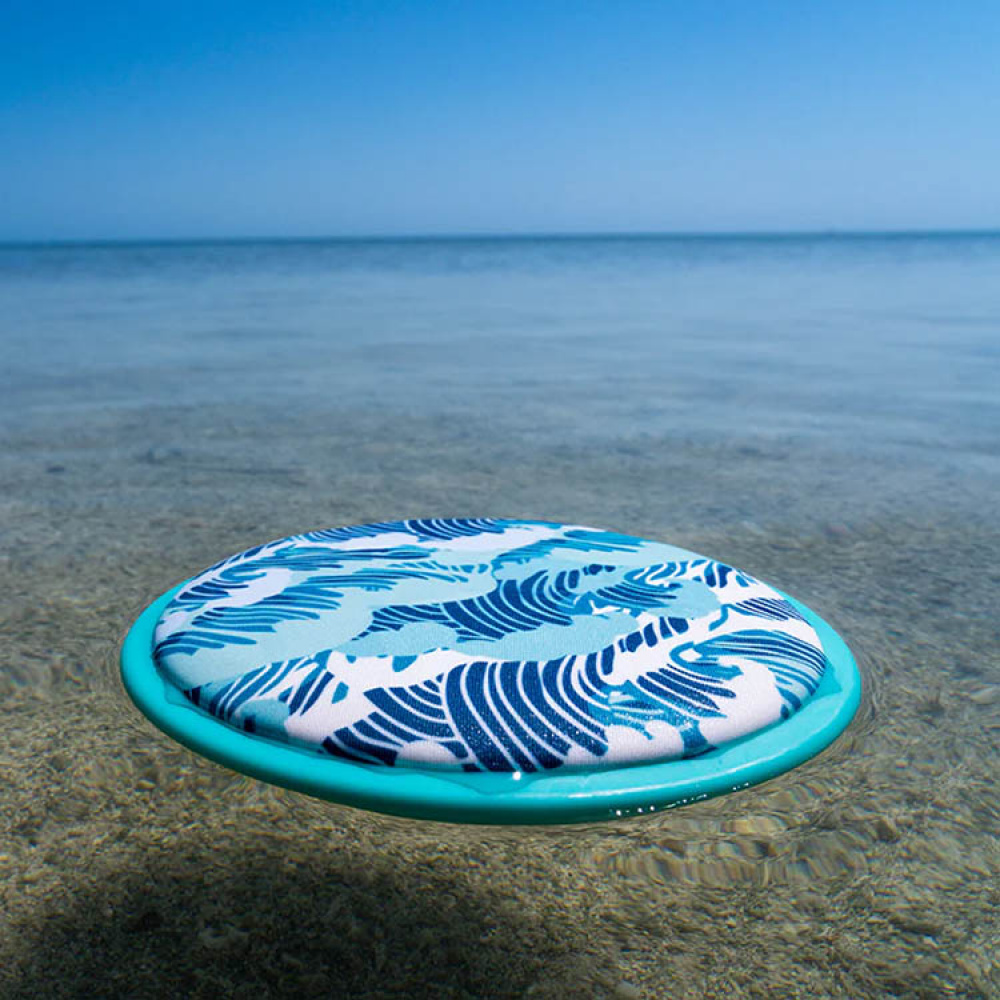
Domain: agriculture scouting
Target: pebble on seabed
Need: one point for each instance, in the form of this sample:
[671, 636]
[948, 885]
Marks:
[627, 991]
[986, 696]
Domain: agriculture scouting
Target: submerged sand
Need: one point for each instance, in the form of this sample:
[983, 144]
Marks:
[131, 868]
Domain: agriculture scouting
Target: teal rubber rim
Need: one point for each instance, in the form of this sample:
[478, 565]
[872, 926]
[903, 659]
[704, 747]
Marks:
[494, 798]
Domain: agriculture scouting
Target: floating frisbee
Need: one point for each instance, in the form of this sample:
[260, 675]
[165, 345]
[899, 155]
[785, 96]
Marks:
[490, 671]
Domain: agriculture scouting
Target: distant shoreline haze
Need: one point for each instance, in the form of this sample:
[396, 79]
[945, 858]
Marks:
[513, 237]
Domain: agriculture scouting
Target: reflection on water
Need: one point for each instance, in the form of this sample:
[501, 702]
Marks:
[822, 412]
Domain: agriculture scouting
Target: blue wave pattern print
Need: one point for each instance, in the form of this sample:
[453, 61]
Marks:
[487, 645]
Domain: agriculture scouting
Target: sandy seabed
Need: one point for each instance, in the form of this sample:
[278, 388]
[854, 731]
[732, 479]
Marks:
[129, 867]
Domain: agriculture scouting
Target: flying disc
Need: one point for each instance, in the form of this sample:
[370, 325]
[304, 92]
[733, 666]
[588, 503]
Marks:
[490, 671]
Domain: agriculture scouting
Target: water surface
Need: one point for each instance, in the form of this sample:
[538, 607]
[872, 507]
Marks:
[821, 411]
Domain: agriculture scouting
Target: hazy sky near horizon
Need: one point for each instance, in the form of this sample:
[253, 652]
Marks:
[470, 116]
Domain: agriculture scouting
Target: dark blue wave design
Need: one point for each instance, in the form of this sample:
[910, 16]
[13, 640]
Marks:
[226, 699]
[528, 716]
[641, 590]
[715, 574]
[231, 579]
[238, 558]
[544, 598]
[709, 571]
[773, 608]
[443, 529]
[578, 539]
[217, 627]
[424, 529]
[353, 531]
[491, 716]
[796, 665]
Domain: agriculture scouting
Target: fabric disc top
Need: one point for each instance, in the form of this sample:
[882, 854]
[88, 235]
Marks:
[471, 647]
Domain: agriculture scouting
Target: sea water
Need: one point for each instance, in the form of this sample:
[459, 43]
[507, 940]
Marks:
[822, 411]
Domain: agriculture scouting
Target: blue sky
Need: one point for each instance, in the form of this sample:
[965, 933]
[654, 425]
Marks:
[309, 119]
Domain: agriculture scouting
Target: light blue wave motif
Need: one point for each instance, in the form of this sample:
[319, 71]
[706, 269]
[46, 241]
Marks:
[487, 645]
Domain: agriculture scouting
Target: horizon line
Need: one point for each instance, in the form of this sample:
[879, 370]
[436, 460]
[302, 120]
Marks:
[498, 236]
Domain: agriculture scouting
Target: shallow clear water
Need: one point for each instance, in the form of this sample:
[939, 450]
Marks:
[822, 412]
